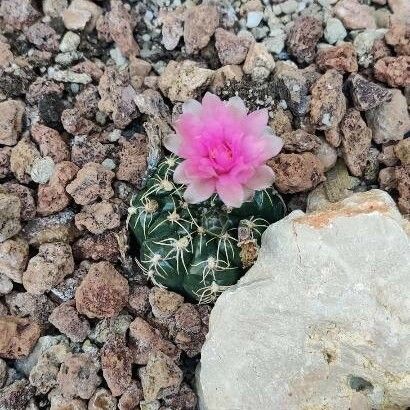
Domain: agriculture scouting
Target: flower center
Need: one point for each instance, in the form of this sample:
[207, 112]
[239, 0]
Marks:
[221, 157]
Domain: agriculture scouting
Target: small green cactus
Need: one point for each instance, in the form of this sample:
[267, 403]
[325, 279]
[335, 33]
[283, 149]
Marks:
[197, 250]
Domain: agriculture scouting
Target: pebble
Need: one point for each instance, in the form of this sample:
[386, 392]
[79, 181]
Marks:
[14, 258]
[164, 303]
[16, 395]
[10, 206]
[18, 337]
[54, 8]
[131, 397]
[80, 15]
[42, 169]
[69, 42]
[253, 19]
[22, 158]
[172, 27]
[11, 121]
[355, 15]
[78, 376]
[326, 154]
[297, 172]
[341, 57]
[300, 141]
[5, 153]
[160, 378]
[395, 71]
[364, 45]
[6, 285]
[403, 187]
[68, 76]
[26, 196]
[18, 13]
[103, 292]
[402, 151]
[328, 104]
[275, 43]
[259, 63]
[66, 319]
[200, 24]
[97, 247]
[116, 365]
[334, 31]
[389, 121]
[231, 48]
[48, 268]
[58, 402]
[102, 399]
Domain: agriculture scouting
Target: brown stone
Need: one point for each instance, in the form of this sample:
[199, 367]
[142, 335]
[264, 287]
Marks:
[25, 194]
[403, 186]
[78, 376]
[328, 104]
[52, 197]
[398, 37]
[172, 26]
[18, 13]
[231, 48]
[17, 395]
[133, 159]
[356, 141]
[66, 319]
[303, 37]
[355, 15]
[48, 268]
[102, 400]
[74, 123]
[200, 24]
[341, 57]
[43, 36]
[5, 153]
[18, 337]
[50, 143]
[116, 363]
[387, 178]
[145, 339]
[132, 397]
[121, 26]
[259, 63]
[296, 172]
[93, 181]
[10, 121]
[164, 303]
[22, 158]
[97, 247]
[138, 301]
[59, 402]
[402, 151]
[395, 71]
[300, 141]
[103, 292]
[10, 206]
[14, 258]
[224, 75]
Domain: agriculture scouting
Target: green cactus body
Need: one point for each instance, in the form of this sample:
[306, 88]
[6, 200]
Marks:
[195, 249]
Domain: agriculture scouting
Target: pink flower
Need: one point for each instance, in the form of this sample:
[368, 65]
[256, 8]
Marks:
[224, 148]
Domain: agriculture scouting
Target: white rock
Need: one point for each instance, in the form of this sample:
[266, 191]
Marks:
[42, 170]
[54, 8]
[6, 285]
[363, 43]
[68, 76]
[253, 19]
[289, 6]
[334, 31]
[69, 42]
[324, 312]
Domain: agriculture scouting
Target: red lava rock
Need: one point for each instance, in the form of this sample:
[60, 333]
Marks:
[161, 377]
[402, 151]
[81, 14]
[341, 57]
[259, 63]
[97, 247]
[18, 13]
[66, 319]
[78, 376]
[52, 197]
[172, 27]
[14, 258]
[403, 186]
[25, 194]
[366, 94]
[116, 363]
[395, 71]
[303, 37]
[50, 143]
[328, 104]
[98, 217]
[17, 395]
[398, 37]
[117, 96]
[74, 123]
[10, 121]
[40, 87]
[18, 337]
[200, 24]
[93, 181]
[138, 301]
[121, 26]
[102, 400]
[87, 100]
[86, 149]
[139, 69]
[133, 159]
[5, 153]
[355, 15]
[356, 141]
[297, 172]
[388, 179]
[6, 55]
[231, 48]
[103, 292]
[90, 68]
[145, 339]
[43, 36]
[131, 397]
[184, 399]
[300, 141]
[59, 402]
[48, 268]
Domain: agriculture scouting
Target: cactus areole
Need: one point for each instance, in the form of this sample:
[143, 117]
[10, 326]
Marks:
[198, 250]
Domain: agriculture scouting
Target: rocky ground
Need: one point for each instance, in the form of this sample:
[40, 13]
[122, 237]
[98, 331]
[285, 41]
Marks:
[87, 92]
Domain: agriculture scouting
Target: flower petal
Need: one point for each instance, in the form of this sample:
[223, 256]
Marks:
[237, 105]
[191, 106]
[275, 142]
[179, 174]
[198, 191]
[172, 142]
[256, 121]
[262, 178]
[230, 192]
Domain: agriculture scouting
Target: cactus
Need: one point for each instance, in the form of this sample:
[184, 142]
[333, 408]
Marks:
[197, 250]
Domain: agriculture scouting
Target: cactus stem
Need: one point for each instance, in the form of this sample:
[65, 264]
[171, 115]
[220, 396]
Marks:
[179, 246]
[208, 294]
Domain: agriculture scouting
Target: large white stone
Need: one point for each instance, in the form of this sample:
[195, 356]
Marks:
[324, 312]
